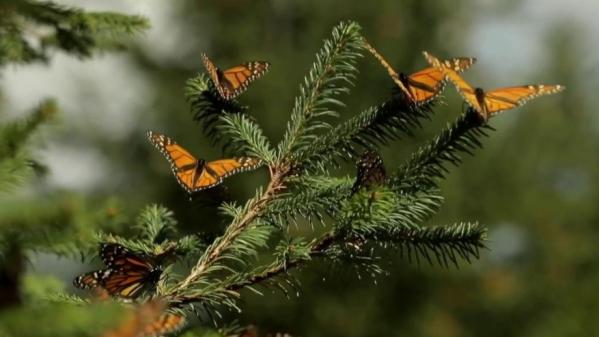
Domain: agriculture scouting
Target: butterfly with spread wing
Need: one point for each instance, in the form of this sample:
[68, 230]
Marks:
[425, 85]
[232, 82]
[371, 171]
[196, 174]
[127, 274]
[490, 103]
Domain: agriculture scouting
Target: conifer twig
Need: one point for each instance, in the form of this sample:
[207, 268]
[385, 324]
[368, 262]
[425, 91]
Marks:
[317, 248]
[333, 70]
[256, 206]
[428, 164]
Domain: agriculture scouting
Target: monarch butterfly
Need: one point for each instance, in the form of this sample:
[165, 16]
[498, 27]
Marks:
[165, 324]
[490, 103]
[371, 171]
[196, 174]
[128, 274]
[232, 82]
[90, 280]
[148, 320]
[423, 86]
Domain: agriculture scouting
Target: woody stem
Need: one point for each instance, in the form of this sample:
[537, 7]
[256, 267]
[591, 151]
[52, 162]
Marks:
[235, 229]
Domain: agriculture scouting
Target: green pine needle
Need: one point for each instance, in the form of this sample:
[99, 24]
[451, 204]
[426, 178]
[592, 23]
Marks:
[331, 75]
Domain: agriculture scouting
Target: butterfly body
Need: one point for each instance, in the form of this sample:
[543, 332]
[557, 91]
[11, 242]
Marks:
[479, 94]
[194, 174]
[231, 82]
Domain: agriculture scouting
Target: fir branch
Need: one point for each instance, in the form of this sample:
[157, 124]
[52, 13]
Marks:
[15, 135]
[155, 224]
[375, 126]
[15, 164]
[263, 274]
[64, 226]
[381, 209]
[242, 219]
[246, 136]
[190, 245]
[109, 24]
[427, 165]
[14, 48]
[391, 213]
[15, 171]
[308, 198]
[330, 76]
[296, 254]
[48, 13]
[444, 244]
[299, 254]
[315, 197]
[207, 107]
[31, 28]
[66, 298]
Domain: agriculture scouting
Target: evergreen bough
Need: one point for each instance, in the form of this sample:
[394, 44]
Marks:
[258, 247]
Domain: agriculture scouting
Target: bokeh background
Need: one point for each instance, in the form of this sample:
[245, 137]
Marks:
[535, 185]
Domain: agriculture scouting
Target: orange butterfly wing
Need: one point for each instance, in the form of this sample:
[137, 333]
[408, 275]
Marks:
[426, 84]
[126, 285]
[183, 164]
[121, 283]
[129, 283]
[116, 256]
[394, 75]
[465, 90]
[194, 175]
[89, 280]
[206, 181]
[148, 320]
[495, 101]
[212, 70]
[232, 82]
[511, 97]
[215, 172]
[127, 273]
[423, 86]
[165, 324]
[451, 69]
